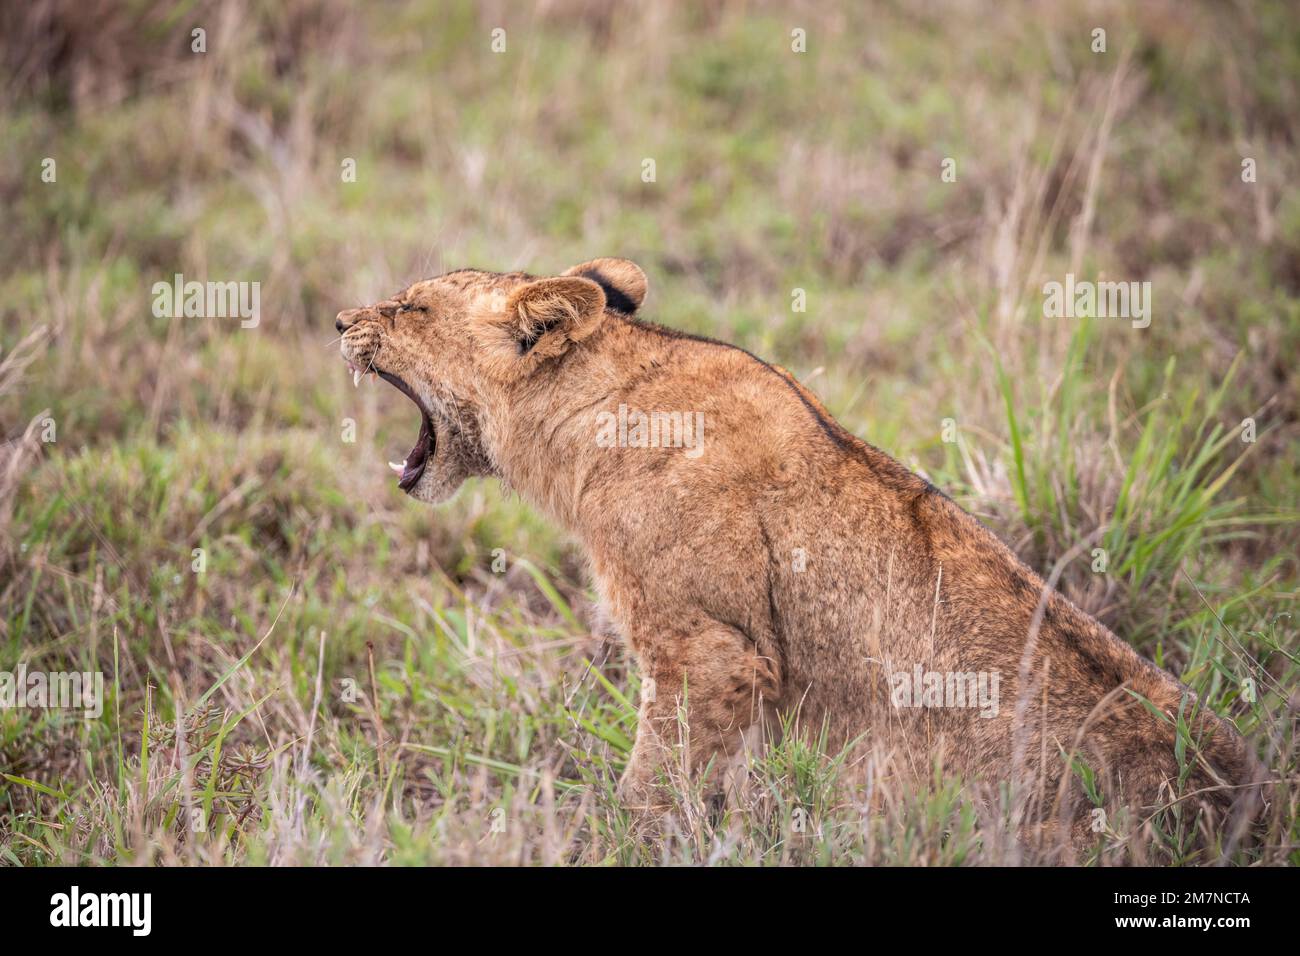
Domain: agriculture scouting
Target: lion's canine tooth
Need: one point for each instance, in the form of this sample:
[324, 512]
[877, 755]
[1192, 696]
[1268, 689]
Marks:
[356, 378]
[396, 467]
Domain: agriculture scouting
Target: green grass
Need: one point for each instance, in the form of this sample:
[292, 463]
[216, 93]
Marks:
[349, 678]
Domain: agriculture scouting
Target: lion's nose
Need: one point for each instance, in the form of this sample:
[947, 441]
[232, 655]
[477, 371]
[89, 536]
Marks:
[345, 320]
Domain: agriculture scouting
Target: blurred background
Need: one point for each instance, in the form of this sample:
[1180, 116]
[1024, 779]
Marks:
[328, 672]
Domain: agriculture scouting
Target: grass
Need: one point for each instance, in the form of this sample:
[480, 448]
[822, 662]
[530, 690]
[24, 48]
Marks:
[301, 666]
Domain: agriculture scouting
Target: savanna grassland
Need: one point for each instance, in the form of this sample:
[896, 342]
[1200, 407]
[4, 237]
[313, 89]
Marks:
[351, 677]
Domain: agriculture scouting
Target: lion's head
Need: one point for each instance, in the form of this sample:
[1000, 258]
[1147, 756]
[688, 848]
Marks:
[463, 345]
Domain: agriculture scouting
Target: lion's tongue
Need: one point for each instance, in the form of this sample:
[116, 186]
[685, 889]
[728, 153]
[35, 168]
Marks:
[416, 461]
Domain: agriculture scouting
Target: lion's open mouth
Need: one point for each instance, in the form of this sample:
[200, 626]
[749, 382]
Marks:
[411, 469]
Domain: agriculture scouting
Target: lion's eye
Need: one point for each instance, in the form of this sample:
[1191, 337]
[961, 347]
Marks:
[406, 307]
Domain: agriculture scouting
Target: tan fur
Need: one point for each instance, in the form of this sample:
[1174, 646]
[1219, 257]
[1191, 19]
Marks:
[788, 569]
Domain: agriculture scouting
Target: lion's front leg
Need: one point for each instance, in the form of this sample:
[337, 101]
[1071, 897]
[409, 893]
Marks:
[701, 691]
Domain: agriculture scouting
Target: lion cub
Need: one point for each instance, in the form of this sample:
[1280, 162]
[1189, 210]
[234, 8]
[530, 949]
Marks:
[764, 564]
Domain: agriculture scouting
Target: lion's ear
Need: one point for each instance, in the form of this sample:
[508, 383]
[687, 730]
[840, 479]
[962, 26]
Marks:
[540, 319]
[623, 280]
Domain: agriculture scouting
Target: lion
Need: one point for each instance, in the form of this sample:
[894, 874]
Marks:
[769, 571]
